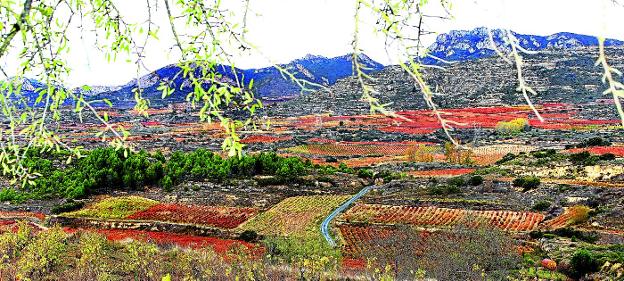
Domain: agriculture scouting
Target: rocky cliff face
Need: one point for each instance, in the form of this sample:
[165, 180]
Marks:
[463, 45]
[568, 76]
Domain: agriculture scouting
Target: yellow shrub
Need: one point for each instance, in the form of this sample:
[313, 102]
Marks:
[512, 127]
[456, 155]
[420, 153]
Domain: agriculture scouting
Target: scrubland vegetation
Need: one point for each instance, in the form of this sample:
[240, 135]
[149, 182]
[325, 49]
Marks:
[106, 169]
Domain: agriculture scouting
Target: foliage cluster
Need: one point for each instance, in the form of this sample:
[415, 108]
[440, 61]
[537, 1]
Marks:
[594, 141]
[568, 232]
[421, 153]
[115, 208]
[512, 127]
[108, 168]
[443, 189]
[54, 255]
[457, 155]
[101, 169]
[204, 164]
[527, 182]
[585, 158]
[541, 205]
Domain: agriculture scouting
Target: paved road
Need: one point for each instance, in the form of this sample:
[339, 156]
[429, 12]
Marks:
[344, 206]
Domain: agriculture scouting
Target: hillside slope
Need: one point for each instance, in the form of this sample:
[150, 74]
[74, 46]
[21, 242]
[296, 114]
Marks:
[567, 76]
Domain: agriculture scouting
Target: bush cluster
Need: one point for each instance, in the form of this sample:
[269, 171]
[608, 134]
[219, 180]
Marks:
[585, 158]
[512, 127]
[444, 190]
[541, 205]
[595, 141]
[106, 168]
[527, 182]
[101, 169]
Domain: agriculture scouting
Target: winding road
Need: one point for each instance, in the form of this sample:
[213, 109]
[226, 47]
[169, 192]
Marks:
[344, 206]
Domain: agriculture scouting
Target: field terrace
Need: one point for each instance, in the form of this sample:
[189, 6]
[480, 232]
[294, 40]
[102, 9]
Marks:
[358, 140]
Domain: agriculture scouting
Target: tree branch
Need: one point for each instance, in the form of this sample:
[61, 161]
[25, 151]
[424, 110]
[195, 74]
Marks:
[16, 27]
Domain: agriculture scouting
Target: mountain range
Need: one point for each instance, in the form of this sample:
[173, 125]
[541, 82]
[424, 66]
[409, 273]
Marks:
[269, 83]
[463, 45]
[272, 86]
[568, 77]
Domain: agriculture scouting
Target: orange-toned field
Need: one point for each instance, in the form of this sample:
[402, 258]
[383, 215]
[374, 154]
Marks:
[440, 217]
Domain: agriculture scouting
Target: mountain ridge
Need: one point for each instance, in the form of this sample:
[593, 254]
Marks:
[463, 45]
[269, 82]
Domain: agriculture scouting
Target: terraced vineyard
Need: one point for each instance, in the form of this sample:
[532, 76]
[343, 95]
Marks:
[222, 217]
[442, 217]
[571, 215]
[359, 240]
[220, 246]
[298, 216]
[355, 149]
[141, 209]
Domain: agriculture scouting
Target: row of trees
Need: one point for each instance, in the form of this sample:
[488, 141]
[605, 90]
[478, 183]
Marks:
[108, 168]
[204, 164]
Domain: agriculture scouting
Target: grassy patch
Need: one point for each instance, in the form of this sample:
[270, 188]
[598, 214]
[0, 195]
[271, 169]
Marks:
[114, 208]
[542, 274]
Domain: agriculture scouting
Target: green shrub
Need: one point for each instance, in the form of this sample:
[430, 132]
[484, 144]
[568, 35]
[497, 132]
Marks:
[298, 249]
[167, 183]
[387, 176]
[595, 141]
[103, 169]
[11, 194]
[248, 236]
[582, 263]
[541, 206]
[365, 173]
[527, 182]
[607, 157]
[589, 237]
[456, 181]
[43, 253]
[508, 157]
[345, 169]
[443, 190]
[584, 158]
[67, 207]
[475, 180]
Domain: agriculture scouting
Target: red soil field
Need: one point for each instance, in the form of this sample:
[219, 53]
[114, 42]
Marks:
[18, 214]
[438, 217]
[13, 225]
[265, 139]
[151, 123]
[6, 222]
[616, 150]
[556, 115]
[222, 217]
[348, 263]
[320, 140]
[163, 238]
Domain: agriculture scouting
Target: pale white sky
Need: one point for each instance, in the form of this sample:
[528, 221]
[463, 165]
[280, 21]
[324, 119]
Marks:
[288, 29]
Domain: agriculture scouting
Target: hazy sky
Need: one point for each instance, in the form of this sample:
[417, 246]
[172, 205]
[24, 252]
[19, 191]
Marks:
[288, 29]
